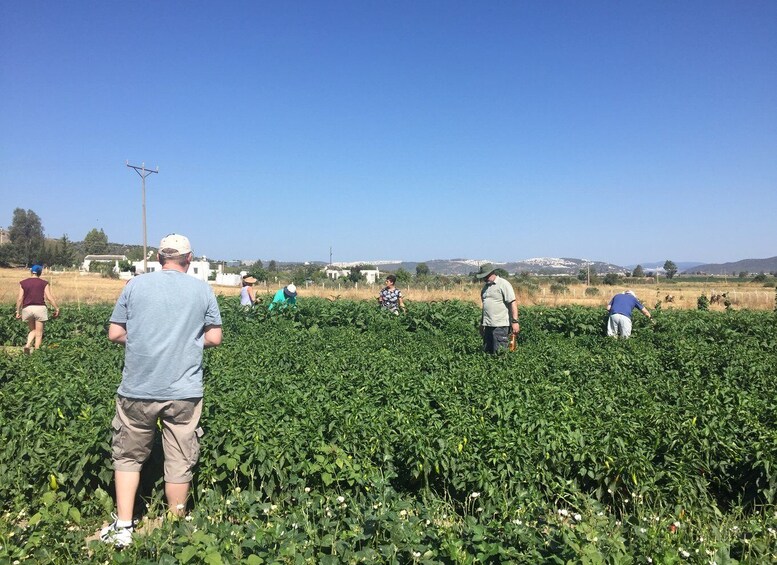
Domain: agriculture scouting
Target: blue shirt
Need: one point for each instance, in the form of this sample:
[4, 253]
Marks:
[624, 304]
[165, 313]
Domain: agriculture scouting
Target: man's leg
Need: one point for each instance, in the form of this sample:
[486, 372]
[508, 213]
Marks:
[126, 488]
[176, 494]
[501, 337]
[181, 442]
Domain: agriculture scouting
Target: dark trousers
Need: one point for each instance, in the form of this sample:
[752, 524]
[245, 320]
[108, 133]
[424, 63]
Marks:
[496, 339]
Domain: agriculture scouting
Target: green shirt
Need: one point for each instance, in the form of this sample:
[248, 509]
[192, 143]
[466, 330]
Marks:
[497, 297]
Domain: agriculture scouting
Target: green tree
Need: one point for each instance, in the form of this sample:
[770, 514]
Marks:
[743, 274]
[638, 272]
[64, 252]
[611, 279]
[402, 275]
[670, 268]
[26, 236]
[501, 273]
[356, 274]
[95, 242]
[421, 269]
[272, 266]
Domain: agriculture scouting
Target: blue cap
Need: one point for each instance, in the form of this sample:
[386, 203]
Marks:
[36, 269]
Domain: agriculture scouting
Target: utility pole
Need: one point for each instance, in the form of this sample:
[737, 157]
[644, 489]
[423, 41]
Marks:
[143, 172]
[330, 256]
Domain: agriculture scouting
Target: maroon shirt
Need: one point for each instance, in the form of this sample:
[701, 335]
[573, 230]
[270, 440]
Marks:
[34, 289]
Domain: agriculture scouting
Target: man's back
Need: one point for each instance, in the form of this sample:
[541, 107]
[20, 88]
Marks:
[165, 313]
[624, 303]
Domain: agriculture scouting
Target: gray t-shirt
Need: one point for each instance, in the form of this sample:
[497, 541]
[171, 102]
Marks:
[497, 297]
[165, 313]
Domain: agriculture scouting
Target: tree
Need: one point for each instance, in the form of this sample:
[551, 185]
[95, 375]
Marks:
[356, 274]
[95, 242]
[64, 252]
[670, 268]
[272, 266]
[421, 269]
[26, 236]
[638, 272]
[402, 276]
[611, 279]
[743, 274]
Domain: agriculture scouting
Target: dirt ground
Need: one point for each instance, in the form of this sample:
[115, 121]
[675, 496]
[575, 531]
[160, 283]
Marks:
[75, 289]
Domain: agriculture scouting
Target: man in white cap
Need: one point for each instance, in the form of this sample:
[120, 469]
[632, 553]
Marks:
[620, 307]
[500, 310]
[286, 296]
[164, 319]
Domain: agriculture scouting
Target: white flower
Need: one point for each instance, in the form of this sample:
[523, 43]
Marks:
[701, 539]
[416, 555]
[517, 522]
[676, 524]
[474, 495]
[649, 560]
[642, 530]
[577, 517]
[479, 509]
[229, 502]
[563, 512]
[340, 499]
[307, 489]
[237, 489]
[403, 513]
[179, 507]
[188, 518]
[684, 553]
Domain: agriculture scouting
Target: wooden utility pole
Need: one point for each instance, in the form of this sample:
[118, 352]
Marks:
[143, 172]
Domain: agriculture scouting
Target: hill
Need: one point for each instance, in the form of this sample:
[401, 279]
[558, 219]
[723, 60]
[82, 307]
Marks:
[747, 265]
[534, 266]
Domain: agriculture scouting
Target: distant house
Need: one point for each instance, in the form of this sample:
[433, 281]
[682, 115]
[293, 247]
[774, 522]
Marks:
[197, 269]
[89, 259]
[370, 275]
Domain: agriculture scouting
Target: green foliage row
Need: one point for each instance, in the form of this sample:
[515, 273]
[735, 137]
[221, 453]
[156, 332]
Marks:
[337, 432]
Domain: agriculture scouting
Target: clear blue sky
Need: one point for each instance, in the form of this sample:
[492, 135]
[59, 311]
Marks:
[613, 131]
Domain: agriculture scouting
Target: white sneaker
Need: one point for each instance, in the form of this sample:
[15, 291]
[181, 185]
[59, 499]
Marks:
[117, 535]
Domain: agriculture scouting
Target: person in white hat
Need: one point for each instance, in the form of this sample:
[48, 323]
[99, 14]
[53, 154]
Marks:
[286, 296]
[619, 308]
[164, 319]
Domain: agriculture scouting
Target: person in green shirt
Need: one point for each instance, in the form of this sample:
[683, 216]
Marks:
[286, 296]
[500, 310]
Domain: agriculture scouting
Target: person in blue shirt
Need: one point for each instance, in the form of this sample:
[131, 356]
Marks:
[620, 307]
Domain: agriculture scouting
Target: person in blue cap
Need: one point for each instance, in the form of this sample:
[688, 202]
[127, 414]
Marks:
[34, 292]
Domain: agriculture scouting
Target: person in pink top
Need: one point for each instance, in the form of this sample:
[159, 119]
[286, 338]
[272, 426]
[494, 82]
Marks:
[34, 292]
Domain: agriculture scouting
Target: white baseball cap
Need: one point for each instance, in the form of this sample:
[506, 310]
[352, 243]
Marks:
[174, 244]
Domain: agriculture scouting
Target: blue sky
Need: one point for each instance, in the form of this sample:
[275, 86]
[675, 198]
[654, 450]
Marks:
[611, 131]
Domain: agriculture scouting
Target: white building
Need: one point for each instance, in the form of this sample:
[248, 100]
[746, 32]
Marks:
[89, 259]
[198, 269]
[370, 275]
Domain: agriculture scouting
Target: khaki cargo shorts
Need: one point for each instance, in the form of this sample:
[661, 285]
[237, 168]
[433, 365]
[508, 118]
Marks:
[134, 429]
[37, 313]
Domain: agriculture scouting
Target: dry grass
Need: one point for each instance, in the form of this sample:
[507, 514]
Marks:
[74, 288]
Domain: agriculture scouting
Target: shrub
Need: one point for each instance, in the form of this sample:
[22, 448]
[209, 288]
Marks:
[592, 291]
[558, 288]
[703, 303]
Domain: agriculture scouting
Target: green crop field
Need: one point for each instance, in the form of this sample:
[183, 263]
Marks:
[337, 433]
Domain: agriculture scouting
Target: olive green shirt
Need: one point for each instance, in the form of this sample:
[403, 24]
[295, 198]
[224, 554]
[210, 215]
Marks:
[497, 297]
